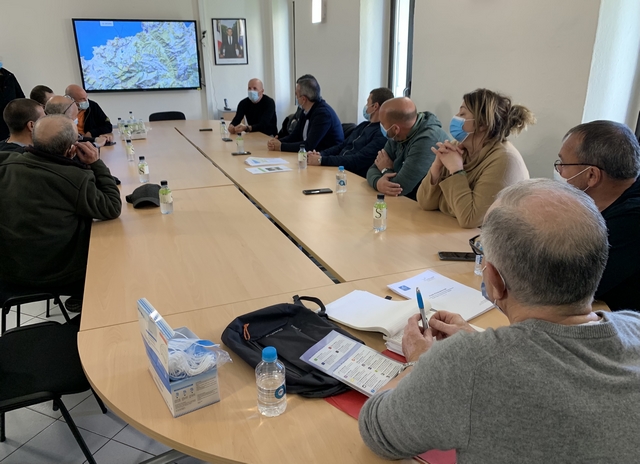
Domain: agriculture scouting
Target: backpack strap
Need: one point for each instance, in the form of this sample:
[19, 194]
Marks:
[298, 300]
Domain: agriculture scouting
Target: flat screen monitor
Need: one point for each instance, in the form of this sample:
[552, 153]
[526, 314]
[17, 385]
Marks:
[133, 55]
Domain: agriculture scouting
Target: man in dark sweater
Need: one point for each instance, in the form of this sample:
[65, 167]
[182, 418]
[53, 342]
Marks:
[20, 115]
[359, 151]
[602, 158]
[92, 121]
[259, 109]
[9, 90]
[319, 127]
[49, 197]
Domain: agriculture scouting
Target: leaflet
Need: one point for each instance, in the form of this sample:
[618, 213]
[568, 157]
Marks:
[351, 362]
[268, 169]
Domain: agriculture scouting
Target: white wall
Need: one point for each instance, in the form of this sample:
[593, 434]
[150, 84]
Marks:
[538, 52]
[613, 85]
[36, 40]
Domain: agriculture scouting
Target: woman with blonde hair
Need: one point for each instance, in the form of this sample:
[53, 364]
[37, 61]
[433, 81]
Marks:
[467, 174]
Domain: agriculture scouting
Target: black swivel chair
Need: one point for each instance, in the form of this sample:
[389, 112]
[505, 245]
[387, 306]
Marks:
[40, 363]
[167, 116]
[347, 128]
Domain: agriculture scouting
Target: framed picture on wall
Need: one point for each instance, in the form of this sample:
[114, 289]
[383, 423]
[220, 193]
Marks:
[230, 41]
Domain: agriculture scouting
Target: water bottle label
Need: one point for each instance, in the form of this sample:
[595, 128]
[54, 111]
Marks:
[281, 391]
[379, 213]
[143, 169]
[302, 156]
[130, 150]
[166, 198]
[342, 182]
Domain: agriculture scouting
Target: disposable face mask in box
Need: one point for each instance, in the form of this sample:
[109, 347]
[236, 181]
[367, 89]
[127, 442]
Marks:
[190, 356]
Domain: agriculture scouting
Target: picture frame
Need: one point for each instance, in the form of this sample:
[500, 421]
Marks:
[230, 41]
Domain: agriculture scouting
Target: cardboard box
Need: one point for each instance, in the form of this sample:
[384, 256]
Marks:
[181, 396]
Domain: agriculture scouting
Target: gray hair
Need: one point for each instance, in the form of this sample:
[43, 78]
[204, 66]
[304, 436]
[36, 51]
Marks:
[609, 145]
[548, 241]
[58, 108]
[54, 134]
[309, 87]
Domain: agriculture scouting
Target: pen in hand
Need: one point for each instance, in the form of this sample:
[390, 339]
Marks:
[425, 323]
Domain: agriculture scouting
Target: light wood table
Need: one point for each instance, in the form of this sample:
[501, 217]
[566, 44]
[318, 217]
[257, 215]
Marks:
[215, 248]
[170, 157]
[232, 431]
[336, 229]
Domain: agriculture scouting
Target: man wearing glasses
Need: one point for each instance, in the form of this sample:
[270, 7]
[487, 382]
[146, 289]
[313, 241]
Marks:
[602, 158]
[67, 106]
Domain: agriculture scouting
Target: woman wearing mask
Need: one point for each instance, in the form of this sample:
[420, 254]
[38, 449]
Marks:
[466, 176]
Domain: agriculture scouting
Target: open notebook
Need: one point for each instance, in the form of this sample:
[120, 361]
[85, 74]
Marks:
[365, 311]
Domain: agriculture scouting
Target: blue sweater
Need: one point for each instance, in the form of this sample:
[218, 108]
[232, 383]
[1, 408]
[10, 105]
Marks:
[324, 130]
[359, 151]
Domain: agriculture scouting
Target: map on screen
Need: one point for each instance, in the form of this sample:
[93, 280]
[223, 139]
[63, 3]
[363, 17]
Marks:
[137, 55]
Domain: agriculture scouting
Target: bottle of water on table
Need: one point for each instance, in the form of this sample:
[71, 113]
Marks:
[302, 158]
[380, 214]
[166, 198]
[143, 170]
[270, 379]
[341, 180]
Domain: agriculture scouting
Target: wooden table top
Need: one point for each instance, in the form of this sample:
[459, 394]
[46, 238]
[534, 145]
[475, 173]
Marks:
[233, 430]
[215, 248]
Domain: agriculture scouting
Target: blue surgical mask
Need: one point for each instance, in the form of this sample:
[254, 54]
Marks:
[83, 105]
[366, 115]
[0, 64]
[483, 290]
[253, 95]
[456, 130]
[384, 132]
[75, 121]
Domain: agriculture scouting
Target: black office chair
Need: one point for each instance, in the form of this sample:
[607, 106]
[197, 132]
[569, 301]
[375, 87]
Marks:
[167, 116]
[347, 128]
[40, 363]
[15, 296]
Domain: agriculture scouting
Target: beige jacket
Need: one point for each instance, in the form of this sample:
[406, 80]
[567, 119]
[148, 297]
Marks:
[468, 197]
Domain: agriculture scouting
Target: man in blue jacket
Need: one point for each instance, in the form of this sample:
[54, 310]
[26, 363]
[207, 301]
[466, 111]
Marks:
[318, 128]
[359, 151]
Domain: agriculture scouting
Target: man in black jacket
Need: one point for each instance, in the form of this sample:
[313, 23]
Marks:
[92, 121]
[258, 108]
[602, 158]
[20, 116]
[49, 197]
[9, 90]
[319, 126]
[361, 148]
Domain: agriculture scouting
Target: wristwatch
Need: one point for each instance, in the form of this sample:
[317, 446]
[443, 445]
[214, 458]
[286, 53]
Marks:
[319, 160]
[406, 366]
[385, 170]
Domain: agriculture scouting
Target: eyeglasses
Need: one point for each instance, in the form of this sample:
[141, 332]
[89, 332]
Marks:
[558, 165]
[476, 246]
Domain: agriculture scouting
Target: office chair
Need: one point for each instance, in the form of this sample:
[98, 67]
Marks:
[10, 297]
[167, 116]
[347, 128]
[40, 363]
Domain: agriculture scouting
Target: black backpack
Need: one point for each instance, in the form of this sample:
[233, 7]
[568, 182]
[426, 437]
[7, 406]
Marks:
[292, 329]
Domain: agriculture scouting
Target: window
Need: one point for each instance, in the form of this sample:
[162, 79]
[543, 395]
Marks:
[401, 47]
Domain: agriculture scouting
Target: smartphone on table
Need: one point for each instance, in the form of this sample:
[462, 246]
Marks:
[456, 256]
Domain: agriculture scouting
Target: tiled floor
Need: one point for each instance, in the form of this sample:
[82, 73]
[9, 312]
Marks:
[38, 434]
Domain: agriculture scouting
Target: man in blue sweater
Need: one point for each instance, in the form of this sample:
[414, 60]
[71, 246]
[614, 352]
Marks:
[359, 151]
[318, 128]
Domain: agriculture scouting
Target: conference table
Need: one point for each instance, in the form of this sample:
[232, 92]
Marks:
[222, 253]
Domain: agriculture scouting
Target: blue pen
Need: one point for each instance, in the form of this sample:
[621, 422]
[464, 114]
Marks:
[425, 323]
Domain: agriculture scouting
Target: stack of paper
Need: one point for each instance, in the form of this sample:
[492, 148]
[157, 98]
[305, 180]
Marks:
[444, 294]
[268, 169]
[256, 161]
[395, 343]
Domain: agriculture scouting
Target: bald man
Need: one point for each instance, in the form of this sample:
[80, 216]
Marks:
[258, 109]
[49, 197]
[92, 121]
[406, 157]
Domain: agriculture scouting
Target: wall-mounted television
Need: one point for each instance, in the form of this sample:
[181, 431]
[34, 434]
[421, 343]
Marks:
[117, 55]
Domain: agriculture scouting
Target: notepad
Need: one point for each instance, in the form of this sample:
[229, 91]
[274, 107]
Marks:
[365, 311]
[444, 294]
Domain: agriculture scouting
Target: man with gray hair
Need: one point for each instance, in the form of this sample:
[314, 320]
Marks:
[602, 158]
[64, 104]
[49, 197]
[560, 384]
[319, 127]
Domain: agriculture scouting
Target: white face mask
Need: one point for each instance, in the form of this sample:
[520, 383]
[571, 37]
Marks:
[557, 176]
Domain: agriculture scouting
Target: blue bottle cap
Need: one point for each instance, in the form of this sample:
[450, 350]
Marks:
[340, 168]
[269, 354]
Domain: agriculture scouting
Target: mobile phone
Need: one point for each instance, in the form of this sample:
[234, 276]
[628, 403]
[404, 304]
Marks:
[235, 153]
[110, 144]
[317, 191]
[456, 256]
[206, 129]
[226, 139]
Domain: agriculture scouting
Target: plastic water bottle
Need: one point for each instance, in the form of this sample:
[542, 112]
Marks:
[166, 199]
[143, 170]
[270, 379]
[302, 158]
[380, 214]
[224, 132]
[130, 150]
[341, 180]
[240, 142]
[131, 118]
[126, 132]
[120, 125]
